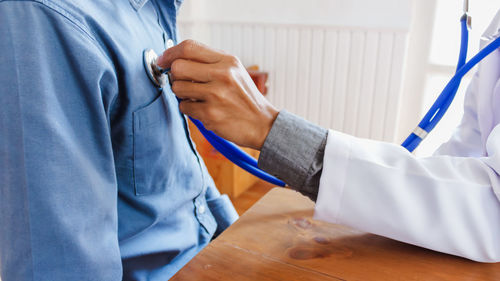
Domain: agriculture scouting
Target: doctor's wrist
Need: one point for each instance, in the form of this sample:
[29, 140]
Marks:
[269, 116]
[293, 151]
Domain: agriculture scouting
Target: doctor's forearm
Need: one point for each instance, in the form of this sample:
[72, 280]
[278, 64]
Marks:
[293, 151]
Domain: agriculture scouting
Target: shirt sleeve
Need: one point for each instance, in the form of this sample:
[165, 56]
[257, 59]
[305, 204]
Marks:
[58, 190]
[293, 151]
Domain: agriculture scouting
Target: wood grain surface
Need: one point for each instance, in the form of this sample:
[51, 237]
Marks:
[278, 240]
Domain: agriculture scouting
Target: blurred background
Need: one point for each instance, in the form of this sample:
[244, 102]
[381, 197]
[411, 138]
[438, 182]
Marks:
[364, 67]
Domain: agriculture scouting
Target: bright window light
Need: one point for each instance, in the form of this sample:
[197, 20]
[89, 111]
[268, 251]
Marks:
[443, 58]
[446, 34]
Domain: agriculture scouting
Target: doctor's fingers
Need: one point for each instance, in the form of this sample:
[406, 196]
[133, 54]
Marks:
[210, 116]
[189, 50]
[191, 90]
[190, 71]
[194, 109]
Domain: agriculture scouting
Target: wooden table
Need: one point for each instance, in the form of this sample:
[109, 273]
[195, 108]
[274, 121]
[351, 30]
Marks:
[277, 240]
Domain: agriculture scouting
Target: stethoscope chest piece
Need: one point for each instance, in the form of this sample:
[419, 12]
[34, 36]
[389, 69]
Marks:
[154, 72]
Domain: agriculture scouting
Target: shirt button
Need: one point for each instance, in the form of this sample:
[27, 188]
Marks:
[170, 43]
[201, 209]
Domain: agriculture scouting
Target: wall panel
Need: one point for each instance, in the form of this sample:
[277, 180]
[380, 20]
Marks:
[345, 78]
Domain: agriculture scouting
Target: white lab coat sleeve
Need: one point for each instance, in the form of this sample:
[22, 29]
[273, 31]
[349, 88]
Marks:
[466, 139]
[446, 203]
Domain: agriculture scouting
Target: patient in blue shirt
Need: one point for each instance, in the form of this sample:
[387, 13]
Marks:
[99, 179]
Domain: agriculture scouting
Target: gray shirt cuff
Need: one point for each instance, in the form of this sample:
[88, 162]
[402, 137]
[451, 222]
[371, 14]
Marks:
[293, 151]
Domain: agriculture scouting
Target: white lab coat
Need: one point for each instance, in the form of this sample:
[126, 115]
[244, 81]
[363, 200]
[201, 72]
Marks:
[449, 202]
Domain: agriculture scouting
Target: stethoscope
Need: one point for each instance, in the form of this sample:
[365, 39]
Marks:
[232, 152]
[160, 77]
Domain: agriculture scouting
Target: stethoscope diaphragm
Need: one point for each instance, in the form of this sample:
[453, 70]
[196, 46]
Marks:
[156, 74]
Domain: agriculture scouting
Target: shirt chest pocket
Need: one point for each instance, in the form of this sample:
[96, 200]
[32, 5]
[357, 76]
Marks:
[157, 148]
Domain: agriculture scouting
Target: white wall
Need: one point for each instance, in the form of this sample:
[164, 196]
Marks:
[412, 96]
[382, 14]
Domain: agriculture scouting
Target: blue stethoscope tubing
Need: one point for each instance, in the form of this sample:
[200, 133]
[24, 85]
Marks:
[426, 125]
[235, 154]
[443, 102]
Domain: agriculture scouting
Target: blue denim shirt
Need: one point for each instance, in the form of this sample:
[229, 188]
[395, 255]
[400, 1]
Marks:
[99, 179]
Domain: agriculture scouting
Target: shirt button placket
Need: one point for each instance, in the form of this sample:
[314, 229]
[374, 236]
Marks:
[201, 209]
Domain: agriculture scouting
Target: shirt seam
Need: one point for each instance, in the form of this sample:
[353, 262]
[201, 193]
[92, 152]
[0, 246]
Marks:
[342, 184]
[319, 149]
[342, 187]
[65, 14]
[28, 212]
[77, 25]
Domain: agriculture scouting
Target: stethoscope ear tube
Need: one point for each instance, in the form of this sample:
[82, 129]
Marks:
[441, 105]
[444, 100]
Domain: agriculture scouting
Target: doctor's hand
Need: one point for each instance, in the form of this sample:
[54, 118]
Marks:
[216, 89]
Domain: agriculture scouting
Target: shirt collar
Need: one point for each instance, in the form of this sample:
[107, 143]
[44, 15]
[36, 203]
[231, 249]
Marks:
[493, 30]
[137, 4]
